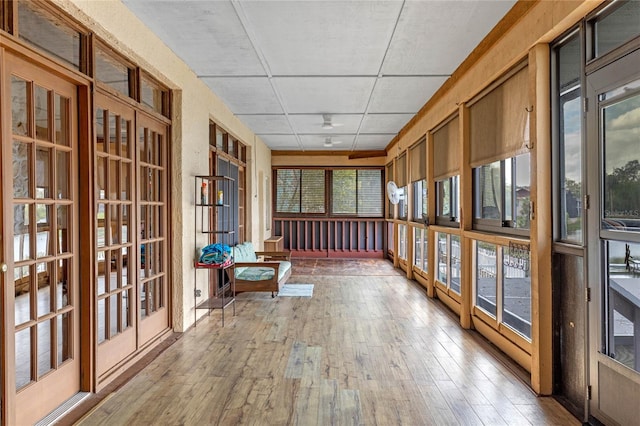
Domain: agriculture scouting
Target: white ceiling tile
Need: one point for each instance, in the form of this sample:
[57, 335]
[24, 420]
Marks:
[245, 95]
[322, 37]
[403, 94]
[339, 142]
[201, 33]
[288, 142]
[267, 124]
[367, 142]
[312, 123]
[434, 38]
[384, 123]
[318, 95]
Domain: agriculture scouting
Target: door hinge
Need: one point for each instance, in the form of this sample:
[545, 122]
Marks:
[589, 392]
[587, 202]
[585, 104]
[588, 294]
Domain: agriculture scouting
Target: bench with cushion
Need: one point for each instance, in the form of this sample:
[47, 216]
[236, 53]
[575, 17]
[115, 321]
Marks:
[252, 274]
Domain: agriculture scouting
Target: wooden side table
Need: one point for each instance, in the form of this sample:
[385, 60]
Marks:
[275, 243]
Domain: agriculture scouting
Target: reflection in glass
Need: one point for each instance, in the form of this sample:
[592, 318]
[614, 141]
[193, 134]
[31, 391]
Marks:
[46, 272]
[488, 181]
[125, 182]
[621, 195]
[444, 197]
[523, 191]
[43, 237]
[571, 166]
[100, 132]
[23, 358]
[151, 95]
[103, 272]
[124, 137]
[101, 177]
[64, 337]
[62, 283]
[402, 241]
[151, 296]
[19, 121]
[40, 28]
[22, 293]
[21, 232]
[143, 299]
[113, 315]
[126, 296]
[420, 249]
[443, 262]
[126, 209]
[41, 106]
[63, 229]
[111, 72]
[114, 179]
[486, 277]
[617, 27]
[63, 173]
[113, 135]
[21, 161]
[43, 173]
[516, 294]
[45, 359]
[102, 320]
[62, 120]
[455, 259]
[142, 145]
[100, 232]
[623, 288]
[114, 228]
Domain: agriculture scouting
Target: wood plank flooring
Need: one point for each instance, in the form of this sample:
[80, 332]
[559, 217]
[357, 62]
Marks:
[369, 348]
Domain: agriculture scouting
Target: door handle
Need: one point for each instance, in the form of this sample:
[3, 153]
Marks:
[3, 267]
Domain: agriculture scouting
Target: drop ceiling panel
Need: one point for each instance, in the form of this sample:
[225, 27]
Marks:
[432, 38]
[322, 37]
[282, 142]
[267, 124]
[403, 94]
[245, 95]
[372, 142]
[384, 123]
[312, 123]
[211, 40]
[318, 95]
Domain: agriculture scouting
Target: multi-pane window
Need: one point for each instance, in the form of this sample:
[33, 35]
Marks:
[351, 192]
[502, 281]
[502, 194]
[448, 260]
[113, 71]
[614, 28]
[401, 181]
[356, 192]
[420, 212]
[300, 191]
[448, 201]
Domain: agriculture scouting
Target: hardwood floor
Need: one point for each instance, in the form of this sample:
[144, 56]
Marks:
[368, 348]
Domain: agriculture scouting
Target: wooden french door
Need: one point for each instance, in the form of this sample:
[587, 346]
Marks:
[152, 140]
[40, 295]
[115, 265]
[131, 283]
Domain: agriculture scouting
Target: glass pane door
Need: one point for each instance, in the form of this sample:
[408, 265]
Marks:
[41, 205]
[152, 227]
[114, 223]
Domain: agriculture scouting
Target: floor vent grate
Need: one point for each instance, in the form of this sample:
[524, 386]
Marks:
[66, 406]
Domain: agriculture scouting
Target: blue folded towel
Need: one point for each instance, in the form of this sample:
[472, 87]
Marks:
[215, 254]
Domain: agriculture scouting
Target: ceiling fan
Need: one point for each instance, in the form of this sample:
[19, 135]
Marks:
[328, 142]
[327, 122]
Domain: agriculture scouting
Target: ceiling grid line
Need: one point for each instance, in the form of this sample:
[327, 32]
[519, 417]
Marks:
[378, 77]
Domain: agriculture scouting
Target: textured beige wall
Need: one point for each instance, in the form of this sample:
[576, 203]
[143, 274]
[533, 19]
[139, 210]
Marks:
[194, 105]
